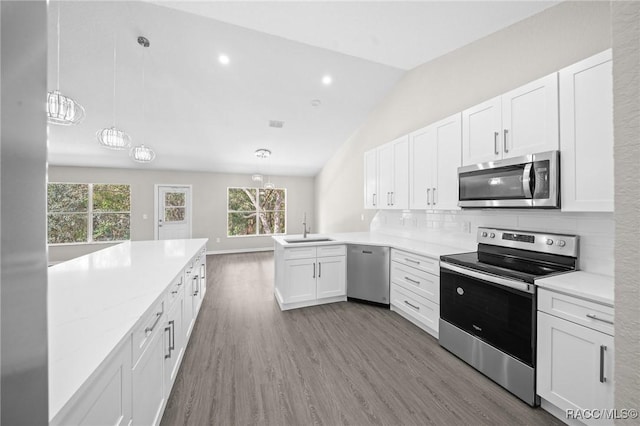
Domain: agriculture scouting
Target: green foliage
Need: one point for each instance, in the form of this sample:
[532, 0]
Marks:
[111, 226]
[66, 228]
[111, 198]
[256, 211]
[67, 197]
[174, 214]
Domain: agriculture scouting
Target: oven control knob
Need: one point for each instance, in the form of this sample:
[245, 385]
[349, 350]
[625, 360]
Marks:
[561, 243]
[549, 242]
[492, 235]
[460, 291]
[484, 234]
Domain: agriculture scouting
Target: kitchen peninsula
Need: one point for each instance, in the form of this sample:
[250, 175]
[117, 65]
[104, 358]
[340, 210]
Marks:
[119, 320]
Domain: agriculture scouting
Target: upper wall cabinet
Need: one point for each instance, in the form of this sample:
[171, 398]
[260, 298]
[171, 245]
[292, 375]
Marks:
[434, 158]
[522, 121]
[586, 134]
[393, 174]
[371, 179]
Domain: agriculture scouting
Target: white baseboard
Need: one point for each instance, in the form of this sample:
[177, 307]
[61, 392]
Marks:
[245, 250]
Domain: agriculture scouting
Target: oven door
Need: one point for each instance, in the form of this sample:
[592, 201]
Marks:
[501, 312]
[527, 181]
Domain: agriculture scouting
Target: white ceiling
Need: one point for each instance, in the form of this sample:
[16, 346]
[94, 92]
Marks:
[203, 116]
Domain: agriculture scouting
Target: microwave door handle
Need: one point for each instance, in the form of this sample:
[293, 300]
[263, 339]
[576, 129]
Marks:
[526, 181]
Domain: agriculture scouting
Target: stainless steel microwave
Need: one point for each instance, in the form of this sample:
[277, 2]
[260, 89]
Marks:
[529, 181]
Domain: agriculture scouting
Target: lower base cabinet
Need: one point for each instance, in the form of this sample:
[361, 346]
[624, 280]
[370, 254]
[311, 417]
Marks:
[148, 378]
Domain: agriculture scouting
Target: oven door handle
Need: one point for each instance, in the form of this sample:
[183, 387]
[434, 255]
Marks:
[526, 181]
[517, 285]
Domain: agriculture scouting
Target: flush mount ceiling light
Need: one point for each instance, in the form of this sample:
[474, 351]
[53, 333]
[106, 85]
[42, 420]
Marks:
[327, 80]
[262, 153]
[112, 137]
[223, 59]
[142, 153]
[61, 109]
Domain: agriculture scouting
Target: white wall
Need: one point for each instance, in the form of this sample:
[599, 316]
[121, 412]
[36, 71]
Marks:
[626, 91]
[535, 47]
[209, 196]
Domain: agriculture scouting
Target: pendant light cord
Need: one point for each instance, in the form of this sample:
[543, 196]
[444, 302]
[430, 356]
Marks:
[115, 42]
[58, 53]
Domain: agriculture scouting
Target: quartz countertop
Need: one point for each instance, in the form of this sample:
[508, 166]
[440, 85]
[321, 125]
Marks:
[431, 249]
[592, 287]
[94, 301]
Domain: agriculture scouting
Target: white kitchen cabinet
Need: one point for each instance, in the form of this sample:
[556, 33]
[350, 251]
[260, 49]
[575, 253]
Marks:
[520, 122]
[147, 382]
[415, 289]
[173, 341]
[393, 174]
[434, 158]
[586, 134]
[331, 280]
[371, 179]
[106, 399]
[575, 362]
[310, 275]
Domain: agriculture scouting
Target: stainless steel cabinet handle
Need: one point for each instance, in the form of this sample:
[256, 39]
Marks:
[594, 317]
[603, 348]
[433, 200]
[174, 292]
[172, 336]
[314, 269]
[196, 282]
[506, 148]
[319, 269]
[495, 142]
[374, 200]
[150, 329]
[411, 260]
[168, 355]
[417, 308]
[392, 198]
[412, 280]
[428, 196]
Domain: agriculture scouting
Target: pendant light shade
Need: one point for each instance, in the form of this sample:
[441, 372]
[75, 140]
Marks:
[113, 138]
[142, 154]
[61, 109]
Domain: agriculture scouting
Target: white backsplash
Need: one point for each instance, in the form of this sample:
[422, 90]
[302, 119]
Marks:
[458, 228]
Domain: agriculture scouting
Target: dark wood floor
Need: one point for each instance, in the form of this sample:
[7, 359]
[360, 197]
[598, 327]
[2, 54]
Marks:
[343, 363]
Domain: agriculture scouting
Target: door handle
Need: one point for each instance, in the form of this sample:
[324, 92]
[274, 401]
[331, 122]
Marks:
[168, 355]
[526, 181]
[160, 222]
[495, 142]
[603, 349]
[374, 200]
[428, 196]
[506, 149]
[319, 269]
[433, 200]
[314, 269]
[172, 336]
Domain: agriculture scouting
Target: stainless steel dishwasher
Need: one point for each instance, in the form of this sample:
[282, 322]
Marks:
[368, 274]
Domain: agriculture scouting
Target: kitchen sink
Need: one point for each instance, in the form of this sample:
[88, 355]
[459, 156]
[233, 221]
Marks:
[308, 240]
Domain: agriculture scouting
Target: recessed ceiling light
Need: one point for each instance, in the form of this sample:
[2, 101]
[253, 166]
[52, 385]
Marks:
[315, 102]
[326, 80]
[223, 59]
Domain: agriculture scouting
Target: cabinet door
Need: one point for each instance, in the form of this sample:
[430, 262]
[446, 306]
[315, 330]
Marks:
[371, 179]
[147, 378]
[420, 168]
[481, 127]
[188, 314]
[300, 280]
[173, 344]
[331, 277]
[530, 118]
[385, 176]
[575, 365]
[586, 134]
[447, 154]
[400, 189]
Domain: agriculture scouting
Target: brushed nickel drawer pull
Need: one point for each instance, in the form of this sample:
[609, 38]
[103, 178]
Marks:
[417, 308]
[412, 280]
[495, 142]
[412, 261]
[150, 329]
[594, 317]
[603, 348]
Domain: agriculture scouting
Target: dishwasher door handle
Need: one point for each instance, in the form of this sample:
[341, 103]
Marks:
[367, 252]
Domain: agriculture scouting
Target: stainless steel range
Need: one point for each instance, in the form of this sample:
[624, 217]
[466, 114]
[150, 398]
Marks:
[488, 302]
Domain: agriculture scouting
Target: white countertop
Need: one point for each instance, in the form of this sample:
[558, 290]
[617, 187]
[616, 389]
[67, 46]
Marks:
[421, 247]
[95, 300]
[592, 287]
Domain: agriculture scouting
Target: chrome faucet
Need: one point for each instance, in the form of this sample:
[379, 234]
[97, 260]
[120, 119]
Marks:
[305, 231]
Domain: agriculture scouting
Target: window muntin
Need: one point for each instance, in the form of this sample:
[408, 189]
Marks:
[86, 213]
[256, 211]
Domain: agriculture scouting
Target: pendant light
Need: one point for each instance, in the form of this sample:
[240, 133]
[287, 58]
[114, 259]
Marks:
[142, 153]
[62, 109]
[112, 137]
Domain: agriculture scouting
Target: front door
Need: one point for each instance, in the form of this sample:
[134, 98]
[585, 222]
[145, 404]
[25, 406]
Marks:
[173, 212]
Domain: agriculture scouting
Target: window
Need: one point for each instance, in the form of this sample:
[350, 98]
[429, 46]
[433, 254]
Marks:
[256, 211]
[87, 212]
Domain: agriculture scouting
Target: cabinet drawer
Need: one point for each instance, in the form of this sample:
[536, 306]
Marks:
[175, 290]
[422, 263]
[423, 310]
[324, 251]
[593, 315]
[145, 330]
[420, 282]
[299, 253]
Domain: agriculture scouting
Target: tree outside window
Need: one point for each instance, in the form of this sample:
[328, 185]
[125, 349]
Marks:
[256, 211]
[85, 213]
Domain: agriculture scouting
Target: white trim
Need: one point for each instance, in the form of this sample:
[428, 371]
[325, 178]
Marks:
[247, 250]
[189, 206]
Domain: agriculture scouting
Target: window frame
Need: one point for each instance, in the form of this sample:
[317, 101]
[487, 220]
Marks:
[257, 188]
[89, 214]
